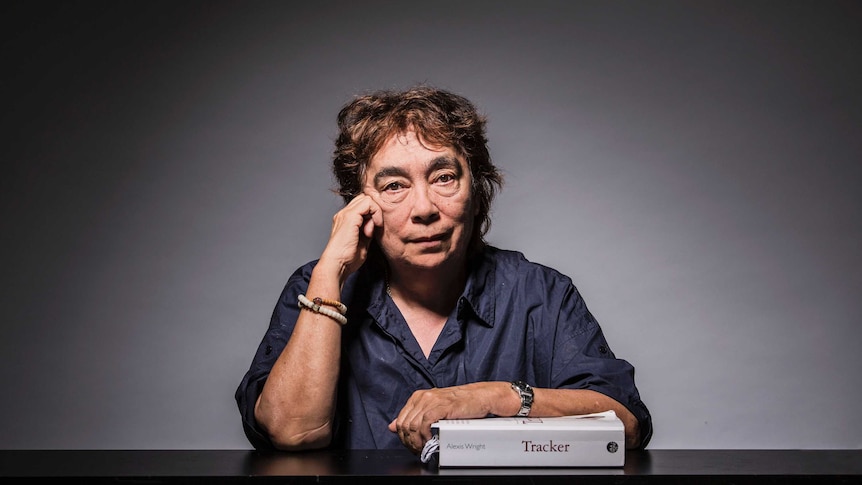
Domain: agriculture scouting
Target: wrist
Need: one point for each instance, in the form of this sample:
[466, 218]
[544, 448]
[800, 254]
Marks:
[525, 395]
[329, 273]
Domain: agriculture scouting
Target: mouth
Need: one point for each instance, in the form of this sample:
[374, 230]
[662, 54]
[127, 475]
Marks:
[430, 239]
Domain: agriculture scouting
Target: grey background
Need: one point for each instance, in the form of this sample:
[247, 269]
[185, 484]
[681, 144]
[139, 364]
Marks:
[693, 165]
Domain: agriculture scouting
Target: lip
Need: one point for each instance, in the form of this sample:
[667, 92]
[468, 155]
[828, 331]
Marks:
[430, 239]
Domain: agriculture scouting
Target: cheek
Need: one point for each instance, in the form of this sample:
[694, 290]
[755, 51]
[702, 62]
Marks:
[461, 210]
[394, 218]
[393, 214]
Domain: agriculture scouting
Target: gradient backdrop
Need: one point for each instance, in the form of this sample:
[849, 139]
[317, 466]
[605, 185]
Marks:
[694, 166]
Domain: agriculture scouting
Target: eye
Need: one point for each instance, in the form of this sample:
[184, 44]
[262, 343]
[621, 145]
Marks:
[392, 187]
[445, 178]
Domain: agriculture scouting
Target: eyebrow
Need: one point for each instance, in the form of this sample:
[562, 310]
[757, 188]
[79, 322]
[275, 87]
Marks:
[389, 172]
[442, 161]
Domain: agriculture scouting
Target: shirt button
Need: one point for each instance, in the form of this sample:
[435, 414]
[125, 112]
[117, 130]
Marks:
[603, 349]
[268, 349]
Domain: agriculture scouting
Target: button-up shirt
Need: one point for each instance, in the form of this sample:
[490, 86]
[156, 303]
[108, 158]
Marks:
[515, 320]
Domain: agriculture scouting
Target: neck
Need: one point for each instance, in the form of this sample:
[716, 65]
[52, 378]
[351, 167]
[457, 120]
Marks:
[436, 290]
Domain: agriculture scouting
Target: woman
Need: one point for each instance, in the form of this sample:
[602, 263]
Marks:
[408, 316]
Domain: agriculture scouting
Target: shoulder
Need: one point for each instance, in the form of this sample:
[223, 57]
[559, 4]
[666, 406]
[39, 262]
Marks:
[521, 286]
[510, 275]
[514, 267]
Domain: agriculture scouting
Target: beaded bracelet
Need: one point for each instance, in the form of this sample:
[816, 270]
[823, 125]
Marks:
[316, 308]
[342, 308]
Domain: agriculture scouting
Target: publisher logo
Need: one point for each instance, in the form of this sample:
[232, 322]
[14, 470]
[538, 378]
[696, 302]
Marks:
[613, 446]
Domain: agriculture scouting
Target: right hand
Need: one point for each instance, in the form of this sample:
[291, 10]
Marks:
[352, 231]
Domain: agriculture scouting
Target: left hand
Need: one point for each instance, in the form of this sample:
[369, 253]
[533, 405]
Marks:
[427, 406]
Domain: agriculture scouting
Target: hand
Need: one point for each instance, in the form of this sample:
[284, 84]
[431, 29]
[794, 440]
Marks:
[426, 406]
[352, 230]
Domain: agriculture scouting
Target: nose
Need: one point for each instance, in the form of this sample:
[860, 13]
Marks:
[424, 210]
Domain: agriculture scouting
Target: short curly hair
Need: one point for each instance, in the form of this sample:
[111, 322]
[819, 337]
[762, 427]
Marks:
[439, 117]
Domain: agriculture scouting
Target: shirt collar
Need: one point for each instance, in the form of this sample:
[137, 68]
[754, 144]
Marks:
[479, 291]
[481, 276]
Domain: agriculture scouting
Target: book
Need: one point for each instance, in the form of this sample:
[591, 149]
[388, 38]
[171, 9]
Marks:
[587, 440]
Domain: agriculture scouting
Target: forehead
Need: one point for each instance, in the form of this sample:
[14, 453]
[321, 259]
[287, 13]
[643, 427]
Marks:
[407, 148]
[407, 145]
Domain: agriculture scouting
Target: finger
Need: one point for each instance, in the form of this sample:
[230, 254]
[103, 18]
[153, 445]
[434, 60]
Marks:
[350, 222]
[401, 423]
[372, 213]
[365, 203]
[410, 439]
[368, 226]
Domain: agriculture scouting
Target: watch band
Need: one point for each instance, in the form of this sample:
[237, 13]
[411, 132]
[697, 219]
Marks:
[525, 392]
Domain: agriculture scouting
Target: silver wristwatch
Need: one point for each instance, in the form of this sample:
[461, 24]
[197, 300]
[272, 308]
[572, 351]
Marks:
[525, 392]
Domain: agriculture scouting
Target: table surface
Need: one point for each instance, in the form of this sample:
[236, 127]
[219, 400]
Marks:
[235, 466]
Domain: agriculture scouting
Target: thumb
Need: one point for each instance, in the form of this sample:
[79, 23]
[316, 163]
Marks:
[392, 426]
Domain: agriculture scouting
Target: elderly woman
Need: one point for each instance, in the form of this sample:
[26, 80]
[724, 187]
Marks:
[409, 316]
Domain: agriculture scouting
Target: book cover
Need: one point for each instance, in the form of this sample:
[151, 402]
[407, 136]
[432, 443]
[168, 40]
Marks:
[589, 440]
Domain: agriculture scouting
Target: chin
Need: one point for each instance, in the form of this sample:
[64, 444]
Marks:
[427, 261]
[422, 259]
[433, 260]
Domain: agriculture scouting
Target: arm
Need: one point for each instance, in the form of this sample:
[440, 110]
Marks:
[567, 402]
[297, 403]
[481, 399]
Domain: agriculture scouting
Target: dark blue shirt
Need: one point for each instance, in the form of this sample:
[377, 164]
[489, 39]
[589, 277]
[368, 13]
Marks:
[516, 320]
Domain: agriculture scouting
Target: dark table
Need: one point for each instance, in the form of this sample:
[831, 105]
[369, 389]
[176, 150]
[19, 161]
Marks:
[244, 466]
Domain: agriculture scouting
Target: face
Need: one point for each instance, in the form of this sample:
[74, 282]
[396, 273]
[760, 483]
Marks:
[424, 193]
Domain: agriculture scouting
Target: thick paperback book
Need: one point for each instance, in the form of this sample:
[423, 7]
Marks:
[589, 440]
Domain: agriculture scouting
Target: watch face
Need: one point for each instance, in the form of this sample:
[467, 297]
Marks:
[525, 392]
[522, 387]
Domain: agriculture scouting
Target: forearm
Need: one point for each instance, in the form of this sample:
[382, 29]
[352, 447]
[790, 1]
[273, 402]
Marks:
[563, 402]
[566, 402]
[297, 403]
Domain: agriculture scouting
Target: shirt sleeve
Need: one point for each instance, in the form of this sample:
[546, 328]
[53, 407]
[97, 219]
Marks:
[281, 325]
[583, 359]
